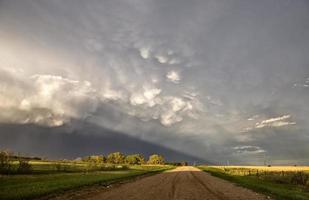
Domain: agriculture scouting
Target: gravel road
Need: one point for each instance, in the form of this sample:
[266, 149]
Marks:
[182, 183]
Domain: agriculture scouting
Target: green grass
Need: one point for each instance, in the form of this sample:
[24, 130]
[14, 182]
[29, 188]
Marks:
[48, 167]
[15, 187]
[275, 190]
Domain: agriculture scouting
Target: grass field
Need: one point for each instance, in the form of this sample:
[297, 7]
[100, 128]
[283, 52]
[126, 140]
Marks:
[279, 182]
[48, 167]
[13, 187]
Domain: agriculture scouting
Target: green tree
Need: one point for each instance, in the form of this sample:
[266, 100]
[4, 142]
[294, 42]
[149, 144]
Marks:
[24, 166]
[156, 159]
[5, 165]
[135, 159]
[116, 158]
[98, 159]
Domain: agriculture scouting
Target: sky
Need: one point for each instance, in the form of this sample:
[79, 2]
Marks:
[221, 80]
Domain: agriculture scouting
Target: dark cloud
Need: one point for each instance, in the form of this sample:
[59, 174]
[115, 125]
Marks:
[87, 139]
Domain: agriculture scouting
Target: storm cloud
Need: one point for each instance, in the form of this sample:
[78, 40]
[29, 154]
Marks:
[219, 80]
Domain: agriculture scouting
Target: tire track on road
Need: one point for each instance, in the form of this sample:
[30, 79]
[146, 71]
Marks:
[220, 196]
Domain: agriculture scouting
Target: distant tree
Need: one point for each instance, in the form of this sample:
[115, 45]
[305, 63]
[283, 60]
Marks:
[99, 159]
[95, 159]
[156, 159]
[4, 162]
[24, 166]
[116, 158]
[135, 159]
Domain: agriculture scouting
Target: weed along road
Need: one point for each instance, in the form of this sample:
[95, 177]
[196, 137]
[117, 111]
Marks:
[182, 183]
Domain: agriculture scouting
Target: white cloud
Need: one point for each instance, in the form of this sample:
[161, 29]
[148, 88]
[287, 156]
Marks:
[109, 94]
[151, 104]
[50, 100]
[173, 76]
[53, 100]
[253, 118]
[145, 97]
[151, 93]
[280, 123]
[137, 99]
[144, 53]
[177, 104]
[169, 118]
[275, 122]
[161, 59]
[247, 149]
[267, 121]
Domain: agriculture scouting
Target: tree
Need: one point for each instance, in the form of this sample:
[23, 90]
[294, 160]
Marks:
[4, 162]
[116, 158]
[97, 159]
[24, 166]
[135, 159]
[156, 159]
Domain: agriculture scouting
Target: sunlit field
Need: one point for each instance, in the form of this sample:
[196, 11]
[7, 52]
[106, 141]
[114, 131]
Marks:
[268, 168]
[280, 182]
[41, 167]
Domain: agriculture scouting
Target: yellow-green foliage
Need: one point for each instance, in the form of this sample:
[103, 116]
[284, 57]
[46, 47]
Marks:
[156, 159]
[271, 183]
[269, 168]
[296, 175]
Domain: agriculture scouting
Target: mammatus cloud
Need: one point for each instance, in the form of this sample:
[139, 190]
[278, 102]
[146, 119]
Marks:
[161, 59]
[144, 52]
[173, 76]
[53, 100]
[184, 74]
[167, 109]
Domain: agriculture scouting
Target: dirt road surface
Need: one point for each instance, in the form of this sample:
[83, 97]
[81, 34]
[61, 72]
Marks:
[182, 183]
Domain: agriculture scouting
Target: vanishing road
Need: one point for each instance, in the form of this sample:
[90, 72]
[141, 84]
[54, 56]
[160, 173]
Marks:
[182, 183]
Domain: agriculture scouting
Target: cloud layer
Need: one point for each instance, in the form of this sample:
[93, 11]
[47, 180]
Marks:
[210, 78]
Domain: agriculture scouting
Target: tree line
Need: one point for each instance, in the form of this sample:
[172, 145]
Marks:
[120, 158]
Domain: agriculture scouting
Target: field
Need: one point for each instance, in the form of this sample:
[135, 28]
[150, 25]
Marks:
[48, 177]
[279, 182]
